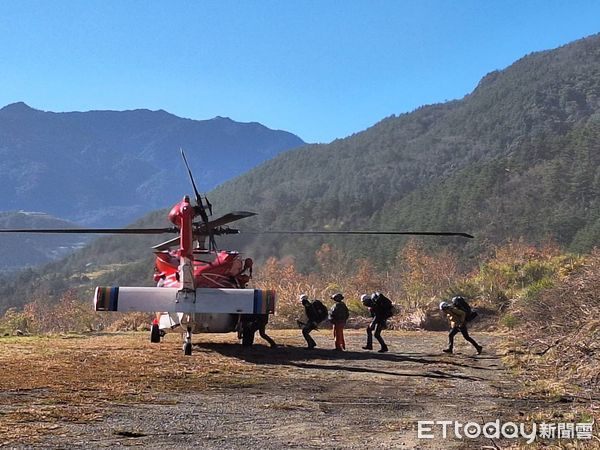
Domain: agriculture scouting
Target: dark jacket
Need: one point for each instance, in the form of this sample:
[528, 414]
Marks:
[339, 312]
[378, 314]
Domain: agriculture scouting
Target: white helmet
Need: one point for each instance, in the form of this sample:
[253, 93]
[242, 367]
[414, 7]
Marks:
[365, 298]
[444, 305]
[303, 297]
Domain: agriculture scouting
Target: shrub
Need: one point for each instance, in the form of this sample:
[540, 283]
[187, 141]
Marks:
[12, 321]
[559, 326]
[509, 321]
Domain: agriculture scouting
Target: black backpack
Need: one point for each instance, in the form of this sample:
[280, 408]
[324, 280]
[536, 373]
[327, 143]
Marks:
[462, 304]
[321, 310]
[384, 306]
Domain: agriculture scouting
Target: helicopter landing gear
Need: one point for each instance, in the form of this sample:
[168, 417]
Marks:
[248, 336]
[247, 331]
[187, 345]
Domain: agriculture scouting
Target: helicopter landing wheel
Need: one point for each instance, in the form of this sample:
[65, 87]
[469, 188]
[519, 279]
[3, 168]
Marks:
[248, 332]
[187, 344]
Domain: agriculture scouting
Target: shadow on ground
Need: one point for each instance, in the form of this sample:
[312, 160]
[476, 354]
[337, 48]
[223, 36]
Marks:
[350, 361]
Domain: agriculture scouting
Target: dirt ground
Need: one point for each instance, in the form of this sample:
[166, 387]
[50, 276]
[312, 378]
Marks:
[120, 391]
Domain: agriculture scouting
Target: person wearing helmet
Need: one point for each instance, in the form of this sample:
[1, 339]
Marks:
[378, 323]
[338, 316]
[458, 322]
[311, 321]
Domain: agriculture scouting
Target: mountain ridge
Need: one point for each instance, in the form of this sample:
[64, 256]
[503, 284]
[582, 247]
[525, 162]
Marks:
[120, 164]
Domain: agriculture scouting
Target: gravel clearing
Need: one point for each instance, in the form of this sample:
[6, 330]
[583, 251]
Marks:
[120, 391]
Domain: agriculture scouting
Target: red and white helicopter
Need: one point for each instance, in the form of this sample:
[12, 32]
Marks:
[200, 289]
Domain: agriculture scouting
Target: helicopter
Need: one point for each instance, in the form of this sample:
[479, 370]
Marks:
[200, 289]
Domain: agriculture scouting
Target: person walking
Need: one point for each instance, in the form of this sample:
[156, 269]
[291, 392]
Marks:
[338, 316]
[458, 322]
[312, 321]
[377, 304]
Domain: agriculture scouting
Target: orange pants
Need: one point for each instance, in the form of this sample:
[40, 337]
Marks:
[338, 335]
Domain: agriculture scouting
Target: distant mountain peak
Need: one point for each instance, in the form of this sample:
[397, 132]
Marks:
[17, 107]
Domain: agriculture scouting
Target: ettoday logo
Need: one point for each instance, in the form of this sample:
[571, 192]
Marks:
[430, 429]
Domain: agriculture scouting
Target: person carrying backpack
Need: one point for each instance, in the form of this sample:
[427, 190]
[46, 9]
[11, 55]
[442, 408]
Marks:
[316, 312]
[338, 316]
[457, 315]
[380, 308]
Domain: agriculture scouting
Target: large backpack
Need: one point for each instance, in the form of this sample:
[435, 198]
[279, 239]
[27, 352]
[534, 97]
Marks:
[321, 310]
[384, 305]
[462, 304]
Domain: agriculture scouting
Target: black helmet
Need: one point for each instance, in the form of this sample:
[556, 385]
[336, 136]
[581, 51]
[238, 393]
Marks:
[337, 297]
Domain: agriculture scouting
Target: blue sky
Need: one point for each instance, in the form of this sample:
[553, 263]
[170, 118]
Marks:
[320, 69]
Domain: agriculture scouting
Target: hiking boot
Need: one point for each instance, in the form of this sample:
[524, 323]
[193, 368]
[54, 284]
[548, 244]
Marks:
[382, 349]
[447, 350]
[368, 347]
[479, 349]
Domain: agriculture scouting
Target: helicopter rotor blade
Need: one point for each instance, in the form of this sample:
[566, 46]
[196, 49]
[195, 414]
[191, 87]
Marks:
[167, 244]
[200, 205]
[229, 217]
[199, 202]
[187, 166]
[92, 230]
[359, 232]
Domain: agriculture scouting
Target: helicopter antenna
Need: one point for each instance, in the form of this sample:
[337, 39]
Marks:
[200, 208]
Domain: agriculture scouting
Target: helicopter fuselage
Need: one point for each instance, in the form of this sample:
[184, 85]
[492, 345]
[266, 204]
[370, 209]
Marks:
[224, 269]
[208, 269]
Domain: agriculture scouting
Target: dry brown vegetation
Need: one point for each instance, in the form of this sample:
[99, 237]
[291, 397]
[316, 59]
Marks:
[414, 282]
[557, 333]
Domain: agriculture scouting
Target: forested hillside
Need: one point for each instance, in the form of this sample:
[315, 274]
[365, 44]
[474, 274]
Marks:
[519, 156]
